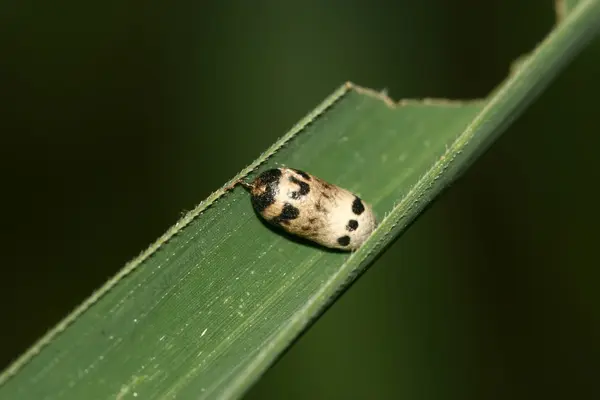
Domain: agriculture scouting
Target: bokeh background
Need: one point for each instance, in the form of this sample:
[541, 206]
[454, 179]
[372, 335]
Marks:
[118, 116]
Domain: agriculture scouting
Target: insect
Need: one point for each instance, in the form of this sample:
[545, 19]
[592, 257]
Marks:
[309, 207]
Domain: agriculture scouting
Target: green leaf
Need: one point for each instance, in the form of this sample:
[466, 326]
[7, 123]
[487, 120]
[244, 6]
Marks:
[211, 305]
[564, 7]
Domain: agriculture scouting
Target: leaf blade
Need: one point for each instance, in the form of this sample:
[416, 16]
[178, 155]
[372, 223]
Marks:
[175, 325]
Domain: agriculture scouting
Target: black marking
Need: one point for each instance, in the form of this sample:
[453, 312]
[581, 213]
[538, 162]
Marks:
[269, 176]
[304, 188]
[327, 196]
[319, 207]
[264, 189]
[306, 228]
[302, 174]
[312, 220]
[344, 240]
[352, 225]
[288, 213]
[357, 206]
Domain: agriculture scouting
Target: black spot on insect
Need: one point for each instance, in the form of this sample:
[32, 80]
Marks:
[357, 206]
[269, 176]
[327, 196]
[265, 189]
[304, 188]
[312, 220]
[306, 228]
[302, 174]
[344, 240]
[288, 213]
[352, 225]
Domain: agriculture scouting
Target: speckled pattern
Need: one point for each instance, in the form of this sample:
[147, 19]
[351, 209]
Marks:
[309, 207]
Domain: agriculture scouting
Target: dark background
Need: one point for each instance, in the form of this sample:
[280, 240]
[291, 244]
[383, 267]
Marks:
[117, 116]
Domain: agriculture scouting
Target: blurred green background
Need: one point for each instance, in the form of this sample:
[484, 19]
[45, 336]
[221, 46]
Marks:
[118, 116]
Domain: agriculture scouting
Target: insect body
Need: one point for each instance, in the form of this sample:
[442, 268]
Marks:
[309, 207]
